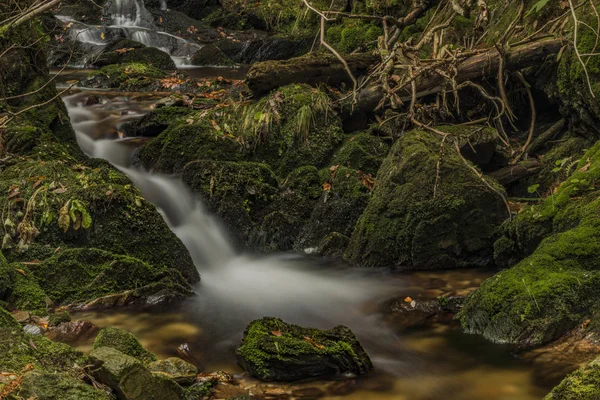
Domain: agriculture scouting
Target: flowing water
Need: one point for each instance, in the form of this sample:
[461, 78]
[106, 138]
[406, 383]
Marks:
[130, 19]
[433, 361]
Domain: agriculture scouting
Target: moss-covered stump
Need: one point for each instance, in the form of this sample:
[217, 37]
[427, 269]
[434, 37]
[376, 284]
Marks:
[124, 51]
[406, 226]
[556, 287]
[52, 386]
[273, 350]
[583, 384]
[130, 379]
[125, 342]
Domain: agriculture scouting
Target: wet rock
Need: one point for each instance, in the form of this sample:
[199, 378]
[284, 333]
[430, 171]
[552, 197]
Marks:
[21, 316]
[406, 226]
[53, 386]
[130, 379]
[122, 51]
[153, 124]
[175, 368]
[92, 100]
[273, 350]
[124, 342]
[70, 332]
[211, 56]
[265, 48]
[409, 313]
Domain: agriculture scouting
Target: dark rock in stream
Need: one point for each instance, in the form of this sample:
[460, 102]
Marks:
[122, 51]
[273, 350]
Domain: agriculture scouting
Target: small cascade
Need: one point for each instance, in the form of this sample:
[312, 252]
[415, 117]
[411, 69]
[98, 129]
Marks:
[130, 19]
[163, 5]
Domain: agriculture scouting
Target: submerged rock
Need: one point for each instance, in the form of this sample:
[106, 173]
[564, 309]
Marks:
[72, 331]
[123, 341]
[175, 368]
[273, 350]
[424, 214]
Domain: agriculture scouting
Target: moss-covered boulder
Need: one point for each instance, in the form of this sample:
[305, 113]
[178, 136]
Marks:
[429, 209]
[293, 127]
[19, 288]
[130, 77]
[362, 151]
[212, 56]
[556, 287]
[239, 192]
[130, 379]
[574, 202]
[125, 51]
[54, 386]
[7, 321]
[123, 341]
[273, 350]
[18, 350]
[583, 384]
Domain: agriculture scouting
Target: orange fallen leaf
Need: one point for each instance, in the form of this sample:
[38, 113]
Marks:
[585, 168]
[21, 271]
[408, 300]
[327, 186]
[312, 341]
[276, 333]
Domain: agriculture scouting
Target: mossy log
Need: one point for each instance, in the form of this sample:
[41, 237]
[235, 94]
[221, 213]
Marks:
[312, 69]
[263, 77]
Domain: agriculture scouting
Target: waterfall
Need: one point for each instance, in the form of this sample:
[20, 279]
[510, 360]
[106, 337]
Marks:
[163, 5]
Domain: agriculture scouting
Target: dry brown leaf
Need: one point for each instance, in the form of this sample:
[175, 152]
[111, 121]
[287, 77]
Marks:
[312, 341]
[408, 300]
[327, 186]
[276, 333]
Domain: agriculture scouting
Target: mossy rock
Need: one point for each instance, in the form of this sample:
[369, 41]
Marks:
[124, 51]
[544, 296]
[53, 386]
[583, 384]
[239, 192]
[84, 203]
[19, 288]
[175, 368]
[18, 349]
[130, 77]
[125, 342]
[556, 287]
[273, 350]
[7, 321]
[338, 208]
[293, 127]
[575, 201]
[211, 55]
[362, 151]
[288, 212]
[82, 275]
[407, 227]
[180, 145]
[130, 379]
[156, 122]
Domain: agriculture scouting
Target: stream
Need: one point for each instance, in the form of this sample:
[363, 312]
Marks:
[433, 360]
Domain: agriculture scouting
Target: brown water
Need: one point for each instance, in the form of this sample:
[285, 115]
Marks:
[427, 361]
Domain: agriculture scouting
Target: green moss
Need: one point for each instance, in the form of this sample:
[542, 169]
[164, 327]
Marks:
[51, 386]
[58, 318]
[406, 226]
[19, 288]
[132, 76]
[17, 350]
[363, 152]
[7, 321]
[574, 202]
[274, 350]
[583, 384]
[353, 34]
[80, 275]
[123, 341]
